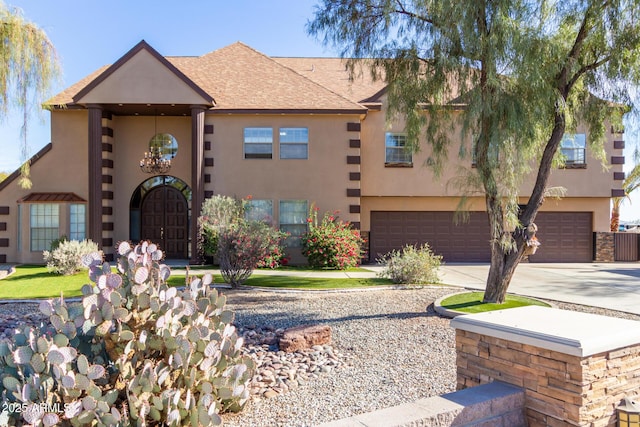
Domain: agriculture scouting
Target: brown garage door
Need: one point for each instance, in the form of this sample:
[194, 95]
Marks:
[565, 237]
[464, 242]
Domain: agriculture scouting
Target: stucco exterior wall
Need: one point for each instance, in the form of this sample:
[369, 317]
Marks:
[322, 178]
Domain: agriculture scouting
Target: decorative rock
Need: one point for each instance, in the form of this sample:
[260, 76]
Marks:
[304, 337]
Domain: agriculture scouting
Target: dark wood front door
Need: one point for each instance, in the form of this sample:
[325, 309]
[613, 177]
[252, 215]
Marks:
[165, 221]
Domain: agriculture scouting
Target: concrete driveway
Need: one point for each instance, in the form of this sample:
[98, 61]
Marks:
[615, 286]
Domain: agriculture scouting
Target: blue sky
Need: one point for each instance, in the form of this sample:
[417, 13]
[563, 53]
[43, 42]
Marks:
[89, 34]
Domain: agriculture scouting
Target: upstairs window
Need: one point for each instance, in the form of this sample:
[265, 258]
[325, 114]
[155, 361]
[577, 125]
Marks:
[44, 224]
[573, 147]
[258, 143]
[397, 153]
[294, 143]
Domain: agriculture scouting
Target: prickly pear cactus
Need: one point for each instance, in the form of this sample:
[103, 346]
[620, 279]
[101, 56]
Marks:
[134, 352]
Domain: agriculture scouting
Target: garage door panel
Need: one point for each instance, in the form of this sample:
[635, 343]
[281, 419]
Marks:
[455, 242]
[565, 236]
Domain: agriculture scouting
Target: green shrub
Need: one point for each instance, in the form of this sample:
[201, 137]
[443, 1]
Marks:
[218, 212]
[411, 265]
[66, 257]
[246, 245]
[56, 242]
[331, 243]
[133, 352]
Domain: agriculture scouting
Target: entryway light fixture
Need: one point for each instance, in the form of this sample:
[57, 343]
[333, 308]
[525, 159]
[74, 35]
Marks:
[154, 161]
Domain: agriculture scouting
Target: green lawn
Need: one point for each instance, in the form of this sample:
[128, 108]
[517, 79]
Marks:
[34, 281]
[471, 302]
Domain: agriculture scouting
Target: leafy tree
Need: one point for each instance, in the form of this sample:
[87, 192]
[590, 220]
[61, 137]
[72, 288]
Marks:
[3, 176]
[515, 75]
[28, 66]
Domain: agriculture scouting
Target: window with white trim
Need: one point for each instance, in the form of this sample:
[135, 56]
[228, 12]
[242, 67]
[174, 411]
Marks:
[77, 222]
[44, 219]
[294, 143]
[293, 220]
[573, 147]
[397, 152]
[258, 143]
[259, 210]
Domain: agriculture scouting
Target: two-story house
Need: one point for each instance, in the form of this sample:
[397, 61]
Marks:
[289, 132]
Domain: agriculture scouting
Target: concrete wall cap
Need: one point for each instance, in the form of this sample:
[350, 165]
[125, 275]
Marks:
[568, 332]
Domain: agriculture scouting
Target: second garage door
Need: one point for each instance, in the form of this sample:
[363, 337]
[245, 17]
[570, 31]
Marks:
[565, 236]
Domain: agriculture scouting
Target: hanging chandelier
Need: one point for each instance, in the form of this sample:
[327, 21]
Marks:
[154, 162]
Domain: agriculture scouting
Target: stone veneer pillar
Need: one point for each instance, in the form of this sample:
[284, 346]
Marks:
[575, 368]
[605, 247]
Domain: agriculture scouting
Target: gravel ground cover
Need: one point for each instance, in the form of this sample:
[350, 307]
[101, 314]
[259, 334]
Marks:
[393, 349]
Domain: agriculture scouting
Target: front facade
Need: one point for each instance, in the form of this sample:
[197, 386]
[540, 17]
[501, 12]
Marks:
[288, 133]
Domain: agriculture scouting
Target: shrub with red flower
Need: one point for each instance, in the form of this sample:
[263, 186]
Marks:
[331, 243]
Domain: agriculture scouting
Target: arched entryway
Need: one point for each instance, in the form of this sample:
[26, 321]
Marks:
[160, 212]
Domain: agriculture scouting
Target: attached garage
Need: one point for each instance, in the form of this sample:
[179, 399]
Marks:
[565, 236]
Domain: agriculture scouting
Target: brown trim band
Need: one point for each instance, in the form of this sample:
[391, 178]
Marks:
[4, 243]
[354, 208]
[355, 225]
[106, 147]
[107, 179]
[107, 163]
[207, 178]
[31, 161]
[3, 226]
[284, 111]
[208, 161]
[354, 176]
[107, 210]
[107, 195]
[107, 242]
[354, 143]
[208, 129]
[107, 115]
[353, 192]
[618, 145]
[107, 131]
[107, 226]
[207, 145]
[208, 194]
[4, 210]
[3, 258]
[617, 192]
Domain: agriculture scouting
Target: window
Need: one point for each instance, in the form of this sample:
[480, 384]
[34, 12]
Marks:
[294, 143]
[259, 210]
[258, 143]
[573, 147]
[166, 144]
[396, 150]
[293, 220]
[44, 222]
[77, 222]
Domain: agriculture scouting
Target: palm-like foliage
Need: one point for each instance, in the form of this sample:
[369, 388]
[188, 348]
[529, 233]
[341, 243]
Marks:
[629, 185]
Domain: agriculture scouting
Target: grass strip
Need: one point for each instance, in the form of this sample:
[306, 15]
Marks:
[471, 302]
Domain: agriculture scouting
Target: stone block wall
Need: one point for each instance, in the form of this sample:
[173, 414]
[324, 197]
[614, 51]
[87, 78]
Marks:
[574, 375]
[604, 247]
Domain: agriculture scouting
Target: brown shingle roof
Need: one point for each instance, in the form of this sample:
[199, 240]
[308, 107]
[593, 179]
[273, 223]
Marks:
[241, 78]
[51, 198]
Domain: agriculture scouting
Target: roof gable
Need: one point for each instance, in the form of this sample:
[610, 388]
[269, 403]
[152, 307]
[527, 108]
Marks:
[142, 76]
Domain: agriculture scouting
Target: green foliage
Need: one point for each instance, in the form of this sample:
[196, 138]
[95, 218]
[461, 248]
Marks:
[331, 243]
[66, 256]
[411, 265]
[133, 352]
[514, 76]
[29, 66]
[218, 212]
[245, 245]
[56, 242]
